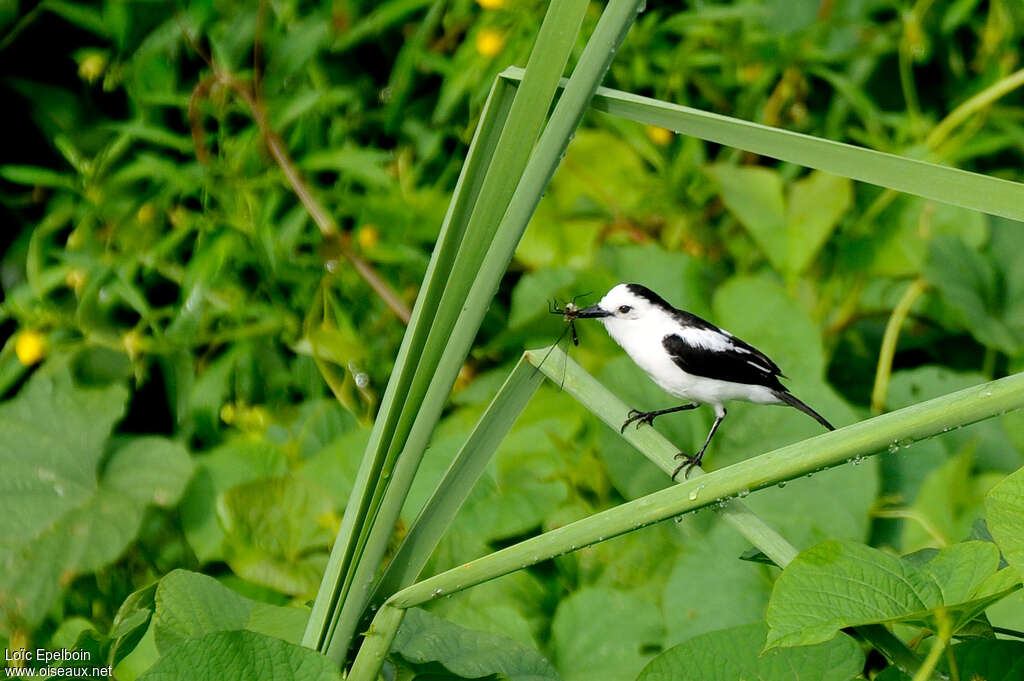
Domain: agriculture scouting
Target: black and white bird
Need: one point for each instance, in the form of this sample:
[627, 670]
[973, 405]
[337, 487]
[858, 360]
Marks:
[690, 358]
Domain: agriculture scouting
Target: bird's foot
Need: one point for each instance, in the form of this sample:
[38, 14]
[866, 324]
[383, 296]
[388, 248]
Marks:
[639, 417]
[689, 463]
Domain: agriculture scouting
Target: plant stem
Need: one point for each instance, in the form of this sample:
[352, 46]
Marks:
[929, 180]
[889, 341]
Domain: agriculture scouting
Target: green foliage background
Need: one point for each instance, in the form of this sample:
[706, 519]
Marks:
[183, 299]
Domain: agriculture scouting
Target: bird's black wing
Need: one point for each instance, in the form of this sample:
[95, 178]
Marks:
[688, 319]
[731, 360]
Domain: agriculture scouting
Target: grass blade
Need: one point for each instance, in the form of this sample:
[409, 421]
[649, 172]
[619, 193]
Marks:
[467, 189]
[941, 183]
[459, 479]
[374, 526]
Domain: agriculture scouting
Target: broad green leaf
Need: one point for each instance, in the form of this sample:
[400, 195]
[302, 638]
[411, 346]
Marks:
[789, 235]
[131, 623]
[731, 654]
[241, 656]
[904, 233]
[816, 204]
[841, 584]
[969, 283]
[277, 532]
[987, 660]
[59, 515]
[424, 638]
[231, 464]
[948, 503]
[709, 587]
[190, 605]
[754, 196]
[602, 634]
[1004, 514]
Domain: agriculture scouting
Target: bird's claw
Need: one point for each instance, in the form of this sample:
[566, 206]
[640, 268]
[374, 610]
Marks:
[689, 463]
[640, 417]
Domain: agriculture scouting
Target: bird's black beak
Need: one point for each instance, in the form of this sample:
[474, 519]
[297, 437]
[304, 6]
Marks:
[592, 312]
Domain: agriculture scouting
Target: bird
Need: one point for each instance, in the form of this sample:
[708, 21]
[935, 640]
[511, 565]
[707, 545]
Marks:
[689, 358]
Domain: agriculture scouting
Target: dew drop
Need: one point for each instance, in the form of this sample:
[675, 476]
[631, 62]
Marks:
[695, 492]
[743, 493]
[782, 484]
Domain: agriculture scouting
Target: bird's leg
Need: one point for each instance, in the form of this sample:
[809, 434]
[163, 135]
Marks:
[648, 416]
[689, 462]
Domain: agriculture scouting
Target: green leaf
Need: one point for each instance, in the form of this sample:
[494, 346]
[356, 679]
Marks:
[34, 176]
[131, 623]
[231, 464]
[277, 532]
[731, 654]
[424, 638]
[58, 517]
[190, 605]
[1004, 514]
[754, 196]
[841, 584]
[241, 656]
[600, 634]
[709, 587]
[789, 235]
[970, 284]
[816, 204]
[987, 660]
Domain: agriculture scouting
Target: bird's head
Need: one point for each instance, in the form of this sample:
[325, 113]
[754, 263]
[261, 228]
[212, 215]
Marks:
[623, 304]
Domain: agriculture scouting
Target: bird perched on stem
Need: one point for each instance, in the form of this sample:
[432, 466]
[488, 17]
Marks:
[690, 358]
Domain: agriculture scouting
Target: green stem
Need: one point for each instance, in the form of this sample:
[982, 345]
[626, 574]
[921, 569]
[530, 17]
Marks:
[467, 467]
[932, 181]
[333, 586]
[376, 643]
[889, 342]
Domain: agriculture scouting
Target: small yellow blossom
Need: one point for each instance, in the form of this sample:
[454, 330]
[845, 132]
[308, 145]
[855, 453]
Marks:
[30, 347]
[178, 216]
[133, 343]
[146, 212]
[75, 279]
[659, 135]
[490, 42]
[92, 66]
[491, 4]
[368, 237]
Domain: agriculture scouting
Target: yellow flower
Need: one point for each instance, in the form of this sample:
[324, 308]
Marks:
[92, 66]
[658, 135]
[146, 212]
[134, 343]
[368, 237]
[75, 279]
[491, 4]
[489, 42]
[30, 347]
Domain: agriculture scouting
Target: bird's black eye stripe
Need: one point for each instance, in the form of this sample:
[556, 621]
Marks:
[625, 309]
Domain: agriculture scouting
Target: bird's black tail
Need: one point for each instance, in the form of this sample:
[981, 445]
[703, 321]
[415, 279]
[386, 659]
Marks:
[792, 400]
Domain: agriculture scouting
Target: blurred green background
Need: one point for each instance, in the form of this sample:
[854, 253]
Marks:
[166, 294]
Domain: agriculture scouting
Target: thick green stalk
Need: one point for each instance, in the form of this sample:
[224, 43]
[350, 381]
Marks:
[481, 150]
[470, 307]
[889, 432]
[942, 183]
[467, 467]
[892, 431]
[529, 107]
